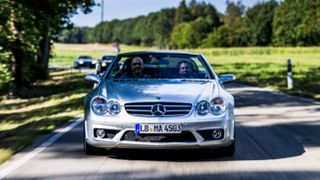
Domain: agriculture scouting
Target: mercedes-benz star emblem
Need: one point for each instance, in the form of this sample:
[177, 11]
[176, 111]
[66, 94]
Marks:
[158, 110]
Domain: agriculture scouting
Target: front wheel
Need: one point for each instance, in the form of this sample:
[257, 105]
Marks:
[75, 66]
[91, 150]
[88, 149]
[228, 150]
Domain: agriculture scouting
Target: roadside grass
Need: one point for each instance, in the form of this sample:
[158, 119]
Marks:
[267, 67]
[40, 110]
[65, 54]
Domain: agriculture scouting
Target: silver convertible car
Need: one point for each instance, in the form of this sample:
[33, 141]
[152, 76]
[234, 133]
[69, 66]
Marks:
[159, 100]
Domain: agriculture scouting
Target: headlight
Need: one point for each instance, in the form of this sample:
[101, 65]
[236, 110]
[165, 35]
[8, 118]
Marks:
[218, 105]
[203, 108]
[80, 62]
[99, 105]
[114, 107]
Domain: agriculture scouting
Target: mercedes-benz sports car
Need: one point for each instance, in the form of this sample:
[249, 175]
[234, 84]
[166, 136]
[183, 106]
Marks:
[159, 100]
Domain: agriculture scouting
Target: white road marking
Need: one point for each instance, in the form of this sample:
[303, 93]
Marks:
[27, 157]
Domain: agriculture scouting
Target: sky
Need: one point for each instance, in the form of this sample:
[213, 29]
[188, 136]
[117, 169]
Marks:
[123, 9]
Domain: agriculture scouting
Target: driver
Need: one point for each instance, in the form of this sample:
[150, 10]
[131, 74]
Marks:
[185, 69]
[135, 68]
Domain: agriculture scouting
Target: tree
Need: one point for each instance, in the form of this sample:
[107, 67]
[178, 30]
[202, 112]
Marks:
[18, 38]
[102, 32]
[234, 12]
[296, 23]
[218, 38]
[50, 17]
[182, 13]
[190, 35]
[179, 36]
[27, 28]
[236, 31]
[211, 16]
[259, 19]
[163, 26]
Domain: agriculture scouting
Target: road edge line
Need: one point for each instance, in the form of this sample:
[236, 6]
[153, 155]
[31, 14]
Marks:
[60, 132]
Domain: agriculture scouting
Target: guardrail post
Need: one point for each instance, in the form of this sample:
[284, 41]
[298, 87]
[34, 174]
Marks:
[290, 76]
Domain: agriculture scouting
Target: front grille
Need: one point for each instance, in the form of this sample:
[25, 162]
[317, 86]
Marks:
[184, 136]
[149, 108]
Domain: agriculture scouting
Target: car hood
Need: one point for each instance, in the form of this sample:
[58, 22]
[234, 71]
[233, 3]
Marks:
[152, 90]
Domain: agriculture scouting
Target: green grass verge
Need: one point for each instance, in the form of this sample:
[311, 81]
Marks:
[65, 54]
[267, 67]
[40, 110]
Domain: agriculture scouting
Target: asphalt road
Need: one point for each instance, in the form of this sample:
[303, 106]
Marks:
[278, 137]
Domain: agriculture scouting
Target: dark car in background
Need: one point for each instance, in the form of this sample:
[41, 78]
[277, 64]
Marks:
[84, 62]
[104, 61]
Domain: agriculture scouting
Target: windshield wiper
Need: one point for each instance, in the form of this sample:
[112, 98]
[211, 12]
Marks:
[195, 80]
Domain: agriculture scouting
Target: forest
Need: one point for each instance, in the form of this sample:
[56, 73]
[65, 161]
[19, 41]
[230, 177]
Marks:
[200, 25]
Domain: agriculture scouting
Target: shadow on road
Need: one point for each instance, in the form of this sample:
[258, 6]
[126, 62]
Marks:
[158, 174]
[253, 143]
[259, 97]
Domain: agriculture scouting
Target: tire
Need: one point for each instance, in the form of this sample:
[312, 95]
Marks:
[229, 150]
[88, 149]
[76, 66]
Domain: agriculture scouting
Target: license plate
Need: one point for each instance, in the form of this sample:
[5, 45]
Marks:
[158, 128]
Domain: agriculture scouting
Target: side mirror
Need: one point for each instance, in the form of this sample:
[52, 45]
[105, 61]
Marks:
[93, 78]
[226, 78]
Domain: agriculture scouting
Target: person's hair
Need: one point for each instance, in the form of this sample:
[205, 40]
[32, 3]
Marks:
[127, 64]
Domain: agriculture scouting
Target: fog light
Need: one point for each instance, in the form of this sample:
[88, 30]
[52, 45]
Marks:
[216, 134]
[100, 133]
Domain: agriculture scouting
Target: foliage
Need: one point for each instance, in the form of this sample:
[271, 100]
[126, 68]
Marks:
[179, 37]
[5, 75]
[218, 38]
[190, 35]
[259, 19]
[289, 23]
[19, 37]
[156, 28]
[296, 23]
[27, 28]
[77, 35]
[182, 13]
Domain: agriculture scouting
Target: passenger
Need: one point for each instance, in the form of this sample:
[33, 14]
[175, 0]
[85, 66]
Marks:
[135, 68]
[185, 69]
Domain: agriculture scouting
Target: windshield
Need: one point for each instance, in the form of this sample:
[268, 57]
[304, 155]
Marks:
[108, 57]
[160, 66]
[84, 57]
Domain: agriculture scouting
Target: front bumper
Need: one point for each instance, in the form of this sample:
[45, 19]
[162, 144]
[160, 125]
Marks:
[191, 127]
[89, 65]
